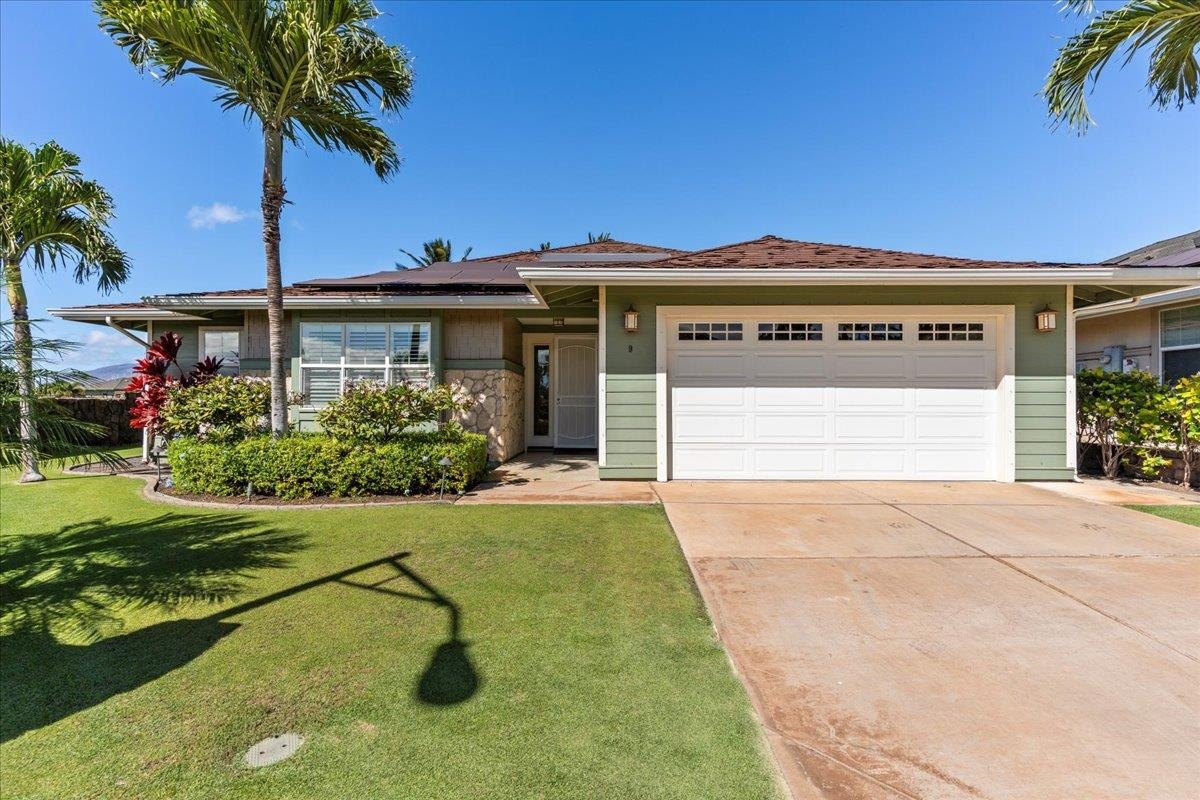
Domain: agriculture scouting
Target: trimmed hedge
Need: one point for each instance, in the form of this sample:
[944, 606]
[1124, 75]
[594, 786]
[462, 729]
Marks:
[316, 465]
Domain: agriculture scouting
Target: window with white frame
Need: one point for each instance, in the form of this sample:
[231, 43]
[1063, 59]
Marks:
[333, 352]
[222, 343]
[1180, 342]
[710, 331]
[870, 331]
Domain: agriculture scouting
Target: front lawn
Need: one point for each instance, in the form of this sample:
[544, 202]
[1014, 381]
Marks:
[1189, 513]
[423, 652]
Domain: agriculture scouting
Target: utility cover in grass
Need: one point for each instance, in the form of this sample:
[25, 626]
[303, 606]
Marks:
[273, 749]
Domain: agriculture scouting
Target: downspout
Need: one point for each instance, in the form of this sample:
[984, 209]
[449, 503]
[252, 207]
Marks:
[116, 326]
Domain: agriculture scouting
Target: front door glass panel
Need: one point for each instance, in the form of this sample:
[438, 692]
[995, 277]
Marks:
[541, 390]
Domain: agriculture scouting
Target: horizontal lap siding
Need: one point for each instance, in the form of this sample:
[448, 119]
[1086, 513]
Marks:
[630, 426]
[1041, 427]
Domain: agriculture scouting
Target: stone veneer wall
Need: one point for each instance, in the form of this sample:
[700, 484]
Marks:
[111, 413]
[497, 407]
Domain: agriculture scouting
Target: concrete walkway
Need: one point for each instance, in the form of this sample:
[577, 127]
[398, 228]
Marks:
[903, 640]
[1121, 493]
[553, 478]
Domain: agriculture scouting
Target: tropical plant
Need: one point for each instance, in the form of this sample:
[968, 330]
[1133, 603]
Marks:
[51, 218]
[223, 408]
[59, 437]
[300, 69]
[1170, 422]
[593, 238]
[152, 380]
[1170, 29]
[436, 251]
[1111, 413]
[368, 411]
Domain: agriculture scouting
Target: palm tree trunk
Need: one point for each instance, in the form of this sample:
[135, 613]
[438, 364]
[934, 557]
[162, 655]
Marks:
[273, 193]
[23, 350]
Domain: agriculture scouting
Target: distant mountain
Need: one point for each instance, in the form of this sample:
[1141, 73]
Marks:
[123, 370]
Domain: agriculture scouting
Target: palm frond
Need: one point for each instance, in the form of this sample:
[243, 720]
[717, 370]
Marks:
[60, 437]
[294, 65]
[1170, 29]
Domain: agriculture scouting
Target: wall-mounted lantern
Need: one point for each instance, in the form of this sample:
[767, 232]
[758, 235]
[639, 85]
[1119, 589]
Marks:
[631, 320]
[558, 322]
[1046, 320]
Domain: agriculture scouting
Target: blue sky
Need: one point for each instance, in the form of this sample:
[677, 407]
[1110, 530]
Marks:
[911, 126]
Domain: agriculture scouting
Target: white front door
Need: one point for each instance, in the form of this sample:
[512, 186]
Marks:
[561, 390]
[865, 393]
[575, 388]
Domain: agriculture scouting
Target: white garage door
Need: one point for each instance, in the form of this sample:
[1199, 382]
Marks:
[831, 395]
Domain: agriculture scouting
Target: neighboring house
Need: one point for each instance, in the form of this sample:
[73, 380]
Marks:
[1158, 333]
[106, 387]
[768, 359]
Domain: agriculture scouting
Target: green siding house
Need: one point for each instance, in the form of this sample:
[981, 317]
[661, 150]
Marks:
[770, 359]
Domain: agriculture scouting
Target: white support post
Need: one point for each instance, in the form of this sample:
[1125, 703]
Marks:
[602, 388]
[1072, 430]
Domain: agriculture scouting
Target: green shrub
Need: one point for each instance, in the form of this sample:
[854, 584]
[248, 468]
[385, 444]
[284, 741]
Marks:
[368, 411]
[1111, 412]
[221, 409]
[1131, 417]
[315, 465]
[1171, 421]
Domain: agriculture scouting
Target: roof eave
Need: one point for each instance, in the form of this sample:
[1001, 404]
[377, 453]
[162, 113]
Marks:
[99, 315]
[1155, 300]
[348, 301]
[1165, 276]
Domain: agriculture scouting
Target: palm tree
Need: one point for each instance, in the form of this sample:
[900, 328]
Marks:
[593, 238]
[300, 68]
[436, 251]
[1170, 27]
[60, 437]
[50, 218]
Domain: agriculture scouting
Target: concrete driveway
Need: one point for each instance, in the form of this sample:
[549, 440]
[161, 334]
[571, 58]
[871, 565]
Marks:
[903, 640]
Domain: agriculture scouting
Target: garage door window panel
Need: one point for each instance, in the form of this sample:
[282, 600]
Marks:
[870, 331]
[790, 331]
[950, 331]
[710, 331]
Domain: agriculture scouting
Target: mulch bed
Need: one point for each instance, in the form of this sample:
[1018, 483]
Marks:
[129, 466]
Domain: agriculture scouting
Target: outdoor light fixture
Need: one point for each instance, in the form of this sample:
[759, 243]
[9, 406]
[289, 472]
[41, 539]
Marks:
[1046, 320]
[631, 320]
[444, 464]
[558, 322]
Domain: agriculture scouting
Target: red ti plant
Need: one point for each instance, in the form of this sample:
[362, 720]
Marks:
[152, 377]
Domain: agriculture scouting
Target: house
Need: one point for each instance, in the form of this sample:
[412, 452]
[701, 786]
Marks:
[765, 359]
[1158, 333]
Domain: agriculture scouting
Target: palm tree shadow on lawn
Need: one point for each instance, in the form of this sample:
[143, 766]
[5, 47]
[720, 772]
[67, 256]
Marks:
[73, 585]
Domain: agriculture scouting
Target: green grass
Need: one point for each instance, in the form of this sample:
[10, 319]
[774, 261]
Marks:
[144, 647]
[1189, 513]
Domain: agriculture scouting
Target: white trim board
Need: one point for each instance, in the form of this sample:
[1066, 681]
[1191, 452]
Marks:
[602, 385]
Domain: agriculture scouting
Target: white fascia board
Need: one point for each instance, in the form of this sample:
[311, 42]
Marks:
[843, 277]
[402, 301]
[99, 315]
[1145, 301]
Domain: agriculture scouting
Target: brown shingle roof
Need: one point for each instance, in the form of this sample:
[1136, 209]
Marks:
[771, 252]
[608, 246]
